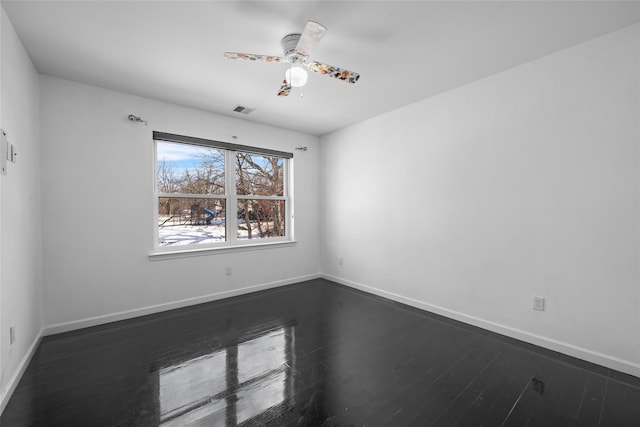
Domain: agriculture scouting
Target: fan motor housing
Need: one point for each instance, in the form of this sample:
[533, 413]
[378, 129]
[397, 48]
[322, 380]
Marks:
[289, 43]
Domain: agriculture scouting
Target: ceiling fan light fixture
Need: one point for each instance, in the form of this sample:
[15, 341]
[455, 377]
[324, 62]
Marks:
[297, 49]
[296, 76]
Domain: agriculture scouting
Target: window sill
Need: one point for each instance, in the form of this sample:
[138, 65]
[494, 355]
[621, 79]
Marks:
[160, 255]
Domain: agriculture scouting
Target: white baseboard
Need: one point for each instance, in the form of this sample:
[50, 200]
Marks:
[606, 360]
[8, 390]
[129, 314]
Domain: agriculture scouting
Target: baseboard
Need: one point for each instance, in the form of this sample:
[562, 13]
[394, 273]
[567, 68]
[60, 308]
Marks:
[606, 360]
[129, 314]
[8, 390]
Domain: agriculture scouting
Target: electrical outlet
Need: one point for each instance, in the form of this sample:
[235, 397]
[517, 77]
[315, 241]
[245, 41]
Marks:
[340, 261]
[538, 303]
[12, 334]
[228, 271]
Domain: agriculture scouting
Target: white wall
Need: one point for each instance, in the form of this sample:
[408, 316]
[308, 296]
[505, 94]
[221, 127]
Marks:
[98, 201]
[524, 183]
[20, 211]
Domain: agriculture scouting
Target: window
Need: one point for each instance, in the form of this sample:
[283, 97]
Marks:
[213, 194]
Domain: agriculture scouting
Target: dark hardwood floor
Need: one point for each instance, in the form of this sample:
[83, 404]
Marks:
[312, 354]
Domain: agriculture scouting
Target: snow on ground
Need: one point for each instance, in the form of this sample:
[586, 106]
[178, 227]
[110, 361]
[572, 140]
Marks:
[187, 234]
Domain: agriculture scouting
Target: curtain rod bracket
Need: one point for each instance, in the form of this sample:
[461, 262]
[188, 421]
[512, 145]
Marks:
[136, 119]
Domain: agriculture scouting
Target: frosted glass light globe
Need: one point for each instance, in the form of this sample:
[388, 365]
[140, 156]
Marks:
[296, 76]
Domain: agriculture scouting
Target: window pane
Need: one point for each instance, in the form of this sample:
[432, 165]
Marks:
[188, 221]
[260, 219]
[259, 175]
[191, 169]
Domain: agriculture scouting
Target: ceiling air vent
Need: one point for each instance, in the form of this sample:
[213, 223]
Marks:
[243, 110]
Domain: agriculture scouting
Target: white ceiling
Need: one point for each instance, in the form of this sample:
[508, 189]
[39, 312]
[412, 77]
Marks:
[405, 51]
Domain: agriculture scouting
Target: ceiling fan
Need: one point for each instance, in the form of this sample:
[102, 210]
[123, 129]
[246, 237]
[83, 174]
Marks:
[297, 49]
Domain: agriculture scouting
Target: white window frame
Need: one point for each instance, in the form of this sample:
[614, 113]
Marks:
[230, 198]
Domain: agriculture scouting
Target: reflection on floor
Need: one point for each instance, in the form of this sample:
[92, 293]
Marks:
[312, 354]
[228, 386]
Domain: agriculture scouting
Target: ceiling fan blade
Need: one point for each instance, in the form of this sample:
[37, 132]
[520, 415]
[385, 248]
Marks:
[285, 89]
[309, 39]
[253, 57]
[335, 72]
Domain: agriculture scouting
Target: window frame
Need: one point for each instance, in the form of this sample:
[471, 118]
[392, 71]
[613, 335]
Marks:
[230, 197]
